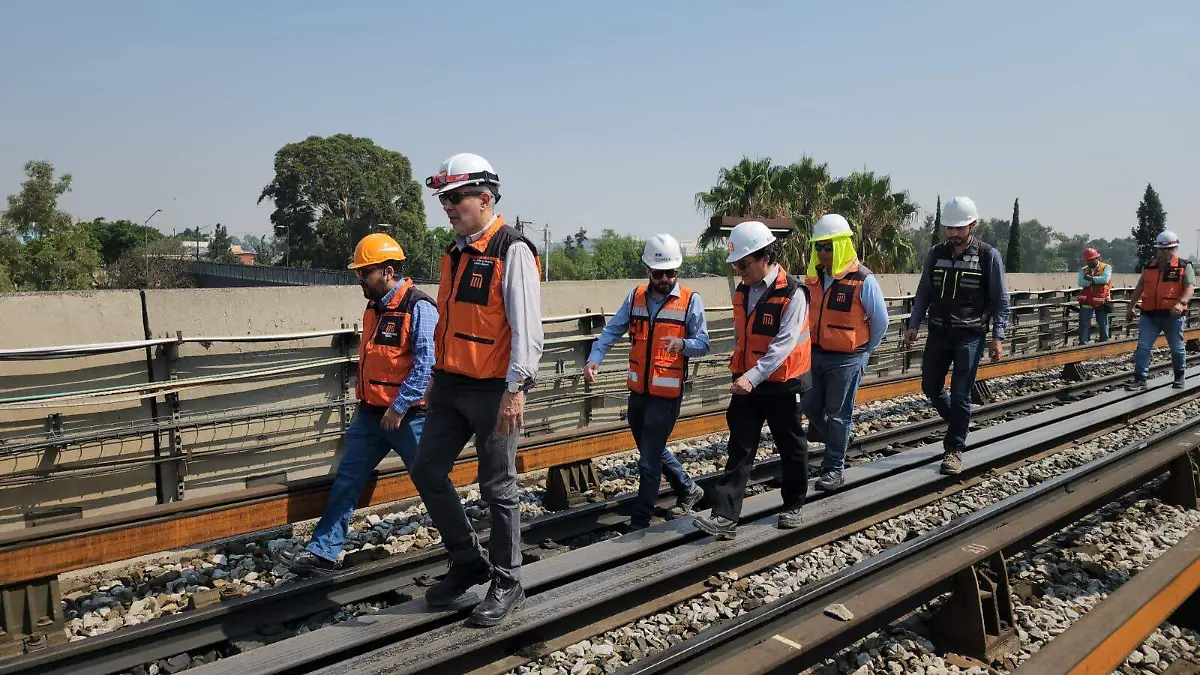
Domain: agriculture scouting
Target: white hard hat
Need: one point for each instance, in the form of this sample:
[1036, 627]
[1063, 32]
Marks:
[1166, 239]
[829, 226]
[462, 170]
[662, 252]
[959, 212]
[746, 238]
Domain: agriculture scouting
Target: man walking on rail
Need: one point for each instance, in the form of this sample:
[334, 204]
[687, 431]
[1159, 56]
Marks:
[395, 357]
[770, 366]
[962, 287]
[1095, 282]
[489, 341]
[666, 326]
[848, 321]
[1164, 290]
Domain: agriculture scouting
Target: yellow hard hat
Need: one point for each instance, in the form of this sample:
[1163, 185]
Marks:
[374, 249]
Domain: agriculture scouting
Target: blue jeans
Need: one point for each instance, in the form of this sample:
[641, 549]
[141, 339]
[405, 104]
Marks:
[963, 350]
[651, 419]
[367, 444]
[1085, 322]
[829, 403]
[1149, 328]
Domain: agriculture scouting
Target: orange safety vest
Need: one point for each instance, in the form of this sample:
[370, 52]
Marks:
[1093, 295]
[1162, 287]
[840, 317]
[755, 329]
[385, 354]
[651, 369]
[473, 337]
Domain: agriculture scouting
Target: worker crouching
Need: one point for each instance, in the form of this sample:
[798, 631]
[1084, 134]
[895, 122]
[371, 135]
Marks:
[666, 326]
[848, 319]
[489, 340]
[770, 366]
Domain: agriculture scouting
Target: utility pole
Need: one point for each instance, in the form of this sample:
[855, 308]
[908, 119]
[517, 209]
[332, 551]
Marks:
[146, 243]
[1197, 244]
[546, 240]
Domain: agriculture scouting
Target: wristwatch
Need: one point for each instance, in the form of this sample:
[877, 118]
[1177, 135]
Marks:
[514, 387]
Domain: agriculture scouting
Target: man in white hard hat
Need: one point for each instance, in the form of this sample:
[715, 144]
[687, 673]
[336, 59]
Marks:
[770, 366]
[666, 326]
[1165, 290]
[849, 319]
[962, 287]
[488, 344]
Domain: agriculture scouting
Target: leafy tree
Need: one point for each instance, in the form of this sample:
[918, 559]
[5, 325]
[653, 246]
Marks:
[160, 264]
[34, 211]
[878, 216]
[63, 261]
[220, 245]
[710, 262]
[115, 238]
[618, 256]
[1152, 220]
[10, 260]
[330, 192]
[1012, 262]
[194, 234]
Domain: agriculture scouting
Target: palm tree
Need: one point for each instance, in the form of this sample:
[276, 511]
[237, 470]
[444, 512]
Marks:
[879, 217]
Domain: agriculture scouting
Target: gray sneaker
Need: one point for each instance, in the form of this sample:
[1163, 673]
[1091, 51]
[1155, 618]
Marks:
[789, 519]
[718, 526]
[830, 481]
[687, 502]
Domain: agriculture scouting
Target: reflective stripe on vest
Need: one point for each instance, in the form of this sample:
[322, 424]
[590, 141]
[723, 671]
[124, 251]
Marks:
[756, 328]
[1163, 286]
[838, 314]
[663, 373]
[473, 337]
[385, 355]
[1095, 295]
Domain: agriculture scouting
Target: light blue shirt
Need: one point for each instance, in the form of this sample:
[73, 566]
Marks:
[696, 344]
[1099, 279]
[424, 319]
[872, 300]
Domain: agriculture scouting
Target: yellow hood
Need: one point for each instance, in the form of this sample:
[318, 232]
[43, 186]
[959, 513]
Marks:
[843, 255]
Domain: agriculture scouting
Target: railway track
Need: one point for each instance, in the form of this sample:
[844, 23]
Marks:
[579, 590]
[399, 579]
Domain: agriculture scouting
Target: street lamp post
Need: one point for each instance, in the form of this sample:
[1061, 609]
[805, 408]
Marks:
[146, 243]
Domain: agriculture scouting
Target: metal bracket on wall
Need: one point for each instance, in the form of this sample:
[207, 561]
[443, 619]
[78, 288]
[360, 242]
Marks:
[1182, 486]
[981, 393]
[1074, 372]
[977, 619]
[31, 617]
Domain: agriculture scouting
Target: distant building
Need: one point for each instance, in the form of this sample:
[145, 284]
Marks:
[243, 256]
[195, 249]
[689, 247]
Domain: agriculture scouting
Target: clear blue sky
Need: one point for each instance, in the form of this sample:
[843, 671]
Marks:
[611, 114]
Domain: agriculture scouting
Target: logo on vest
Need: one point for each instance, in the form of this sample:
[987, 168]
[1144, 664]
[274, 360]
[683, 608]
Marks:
[476, 280]
[768, 320]
[389, 329]
[841, 297]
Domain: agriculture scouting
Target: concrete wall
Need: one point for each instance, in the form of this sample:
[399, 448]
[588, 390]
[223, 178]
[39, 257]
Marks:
[223, 457]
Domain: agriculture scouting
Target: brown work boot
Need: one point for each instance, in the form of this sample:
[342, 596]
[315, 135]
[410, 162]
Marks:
[951, 462]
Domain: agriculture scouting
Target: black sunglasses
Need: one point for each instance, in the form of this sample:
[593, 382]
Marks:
[663, 274]
[456, 197]
[824, 246]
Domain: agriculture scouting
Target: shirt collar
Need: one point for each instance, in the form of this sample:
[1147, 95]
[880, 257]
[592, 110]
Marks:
[770, 278]
[387, 297]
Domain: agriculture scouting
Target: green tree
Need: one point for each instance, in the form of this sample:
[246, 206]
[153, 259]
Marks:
[1151, 220]
[63, 261]
[160, 264]
[1012, 261]
[618, 256]
[878, 215]
[220, 245]
[10, 260]
[330, 192]
[34, 212]
[115, 238]
[193, 234]
[710, 262]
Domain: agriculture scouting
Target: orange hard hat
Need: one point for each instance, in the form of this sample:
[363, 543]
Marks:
[374, 249]
[1090, 254]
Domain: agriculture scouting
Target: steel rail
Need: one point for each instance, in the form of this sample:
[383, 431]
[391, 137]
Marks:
[572, 590]
[750, 641]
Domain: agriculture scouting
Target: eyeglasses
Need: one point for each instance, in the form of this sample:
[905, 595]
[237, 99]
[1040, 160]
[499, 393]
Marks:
[824, 246]
[456, 197]
[364, 272]
[742, 264]
[663, 274]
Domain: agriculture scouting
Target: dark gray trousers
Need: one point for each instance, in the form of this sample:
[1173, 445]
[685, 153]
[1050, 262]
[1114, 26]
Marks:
[460, 407]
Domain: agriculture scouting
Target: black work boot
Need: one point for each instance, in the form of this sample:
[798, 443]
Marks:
[1179, 383]
[503, 598]
[718, 526]
[687, 502]
[452, 589]
[1137, 384]
[305, 563]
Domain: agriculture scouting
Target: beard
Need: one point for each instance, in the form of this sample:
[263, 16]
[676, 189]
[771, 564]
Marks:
[369, 294]
[662, 287]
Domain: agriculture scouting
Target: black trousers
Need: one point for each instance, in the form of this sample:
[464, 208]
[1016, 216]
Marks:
[745, 417]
